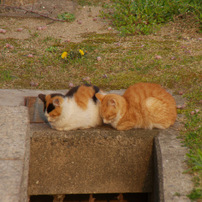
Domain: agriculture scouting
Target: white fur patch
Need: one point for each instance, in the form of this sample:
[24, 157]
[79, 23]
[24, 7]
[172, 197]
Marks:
[73, 117]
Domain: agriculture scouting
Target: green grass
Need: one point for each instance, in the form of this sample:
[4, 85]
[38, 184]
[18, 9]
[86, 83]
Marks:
[69, 17]
[144, 16]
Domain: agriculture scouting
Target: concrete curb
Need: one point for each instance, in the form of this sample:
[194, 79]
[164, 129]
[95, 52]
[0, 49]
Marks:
[172, 184]
[14, 153]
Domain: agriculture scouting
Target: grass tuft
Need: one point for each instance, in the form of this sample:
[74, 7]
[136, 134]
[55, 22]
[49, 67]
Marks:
[144, 16]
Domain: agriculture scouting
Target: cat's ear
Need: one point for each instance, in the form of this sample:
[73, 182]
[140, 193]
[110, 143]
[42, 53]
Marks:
[112, 102]
[99, 96]
[56, 102]
[42, 97]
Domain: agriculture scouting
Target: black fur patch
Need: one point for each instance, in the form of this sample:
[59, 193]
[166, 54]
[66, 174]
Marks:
[56, 94]
[44, 106]
[72, 91]
[50, 108]
[96, 91]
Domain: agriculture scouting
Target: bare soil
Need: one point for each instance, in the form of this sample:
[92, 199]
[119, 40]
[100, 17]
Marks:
[87, 21]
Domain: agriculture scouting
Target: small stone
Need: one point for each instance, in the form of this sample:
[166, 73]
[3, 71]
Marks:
[86, 78]
[79, 22]
[183, 106]
[158, 57]
[3, 31]
[109, 28]
[19, 29]
[188, 51]
[33, 84]
[197, 110]
[104, 76]
[30, 56]
[173, 58]
[99, 58]
[9, 46]
[71, 85]
[192, 112]
[41, 27]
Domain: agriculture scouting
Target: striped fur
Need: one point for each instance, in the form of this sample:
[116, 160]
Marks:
[143, 105]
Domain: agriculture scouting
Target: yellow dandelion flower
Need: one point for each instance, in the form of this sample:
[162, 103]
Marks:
[81, 52]
[64, 55]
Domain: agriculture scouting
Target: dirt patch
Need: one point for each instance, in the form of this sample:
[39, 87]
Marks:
[87, 20]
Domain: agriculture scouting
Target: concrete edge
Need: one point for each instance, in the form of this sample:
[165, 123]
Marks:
[173, 183]
[14, 153]
[24, 183]
[158, 172]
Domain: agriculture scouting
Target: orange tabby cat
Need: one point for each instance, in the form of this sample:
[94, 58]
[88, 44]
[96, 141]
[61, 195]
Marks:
[143, 105]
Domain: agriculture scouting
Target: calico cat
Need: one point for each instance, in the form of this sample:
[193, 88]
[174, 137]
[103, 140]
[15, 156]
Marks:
[78, 109]
[143, 105]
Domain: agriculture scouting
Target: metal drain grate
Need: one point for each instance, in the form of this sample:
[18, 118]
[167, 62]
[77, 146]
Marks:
[129, 197]
[35, 108]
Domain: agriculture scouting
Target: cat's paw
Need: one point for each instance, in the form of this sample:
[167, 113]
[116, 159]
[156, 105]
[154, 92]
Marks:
[60, 129]
[125, 126]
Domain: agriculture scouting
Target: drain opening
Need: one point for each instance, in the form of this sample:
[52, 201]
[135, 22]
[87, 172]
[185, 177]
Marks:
[35, 109]
[127, 197]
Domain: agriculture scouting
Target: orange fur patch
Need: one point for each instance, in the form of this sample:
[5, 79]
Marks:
[99, 96]
[83, 94]
[58, 110]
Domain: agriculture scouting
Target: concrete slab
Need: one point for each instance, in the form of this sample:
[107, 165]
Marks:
[14, 153]
[100, 160]
[10, 177]
[13, 97]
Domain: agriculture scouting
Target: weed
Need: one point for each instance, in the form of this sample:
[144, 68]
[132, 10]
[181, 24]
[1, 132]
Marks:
[52, 49]
[195, 159]
[48, 38]
[35, 35]
[177, 194]
[195, 194]
[89, 2]
[5, 75]
[144, 16]
[69, 17]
